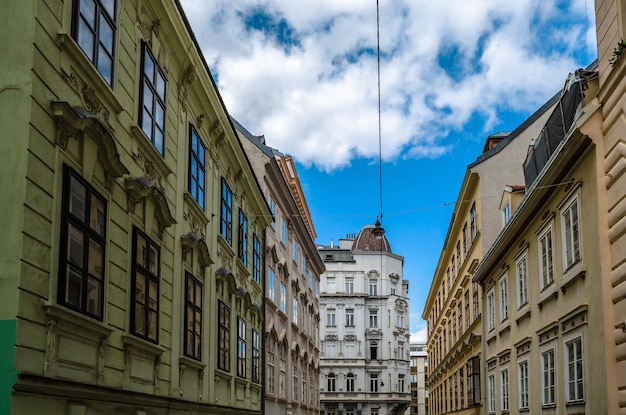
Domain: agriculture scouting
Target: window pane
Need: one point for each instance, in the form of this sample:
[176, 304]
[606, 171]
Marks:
[152, 325]
[142, 251]
[153, 259]
[74, 286]
[160, 86]
[146, 123]
[88, 12]
[148, 66]
[139, 319]
[93, 296]
[158, 140]
[78, 197]
[75, 247]
[105, 65]
[153, 301]
[109, 6]
[160, 116]
[86, 39]
[97, 215]
[106, 35]
[96, 252]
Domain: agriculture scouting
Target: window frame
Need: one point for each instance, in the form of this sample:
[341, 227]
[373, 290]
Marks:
[197, 157]
[546, 257]
[69, 219]
[522, 280]
[575, 229]
[491, 310]
[100, 12]
[226, 212]
[241, 347]
[505, 400]
[223, 337]
[349, 317]
[547, 388]
[503, 287]
[242, 240]
[157, 99]
[150, 277]
[283, 297]
[523, 385]
[256, 259]
[192, 306]
[579, 378]
[331, 317]
[491, 393]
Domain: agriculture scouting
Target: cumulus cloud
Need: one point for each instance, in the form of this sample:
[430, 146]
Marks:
[420, 336]
[304, 73]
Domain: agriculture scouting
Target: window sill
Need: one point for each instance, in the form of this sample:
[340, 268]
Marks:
[573, 273]
[491, 336]
[76, 322]
[505, 326]
[522, 313]
[191, 362]
[95, 82]
[551, 292]
[133, 342]
[150, 160]
[200, 216]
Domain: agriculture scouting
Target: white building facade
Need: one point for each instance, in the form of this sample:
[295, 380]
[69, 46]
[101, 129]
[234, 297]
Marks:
[364, 328]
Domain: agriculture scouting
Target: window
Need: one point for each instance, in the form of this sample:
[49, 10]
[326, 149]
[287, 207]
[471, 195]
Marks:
[491, 387]
[400, 319]
[283, 231]
[296, 306]
[283, 297]
[574, 369]
[465, 244]
[350, 382]
[373, 318]
[197, 167]
[226, 214]
[271, 375]
[349, 317]
[401, 350]
[256, 259]
[373, 287]
[460, 317]
[330, 285]
[331, 348]
[373, 382]
[373, 350]
[401, 383]
[349, 285]
[453, 265]
[349, 352]
[193, 317]
[311, 279]
[467, 310]
[271, 285]
[296, 252]
[522, 282]
[458, 257]
[461, 388]
[490, 311]
[523, 384]
[294, 393]
[94, 31]
[152, 100]
[546, 260]
[393, 288]
[473, 381]
[453, 328]
[475, 300]
[282, 380]
[145, 293]
[83, 241]
[571, 234]
[223, 346]
[473, 226]
[548, 378]
[330, 317]
[506, 214]
[331, 382]
[272, 204]
[241, 347]
[256, 357]
[504, 385]
[242, 242]
[504, 298]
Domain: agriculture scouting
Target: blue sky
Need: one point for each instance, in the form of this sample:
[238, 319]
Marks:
[303, 73]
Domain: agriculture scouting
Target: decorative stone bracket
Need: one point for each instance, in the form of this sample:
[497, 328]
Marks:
[191, 242]
[141, 188]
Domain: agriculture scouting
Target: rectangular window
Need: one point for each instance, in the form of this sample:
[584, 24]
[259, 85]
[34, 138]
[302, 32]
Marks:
[145, 293]
[193, 317]
[242, 242]
[271, 375]
[373, 318]
[350, 382]
[522, 282]
[504, 386]
[226, 213]
[294, 393]
[523, 384]
[330, 349]
[467, 309]
[241, 347]
[571, 234]
[271, 285]
[506, 214]
[491, 311]
[504, 298]
[491, 388]
[256, 357]
[465, 244]
[574, 369]
[373, 382]
[473, 381]
[197, 168]
[283, 297]
[458, 256]
[296, 252]
[256, 259]
[223, 346]
[83, 242]
[283, 231]
[273, 210]
[349, 285]
[296, 305]
[94, 31]
[349, 352]
[460, 317]
[461, 388]
[330, 285]
[546, 259]
[152, 100]
[330, 317]
[548, 378]
[349, 317]
[373, 287]
[473, 226]
[475, 300]
[401, 383]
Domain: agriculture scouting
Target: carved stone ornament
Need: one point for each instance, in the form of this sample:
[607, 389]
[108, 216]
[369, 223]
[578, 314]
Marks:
[149, 169]
[191, 242]
[88, 96]
[141, 188]
[217, 133]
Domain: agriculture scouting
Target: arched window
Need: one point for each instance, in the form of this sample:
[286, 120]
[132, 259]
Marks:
[373, 350]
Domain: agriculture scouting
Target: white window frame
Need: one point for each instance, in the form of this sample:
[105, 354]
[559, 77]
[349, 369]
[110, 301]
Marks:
[331, 317]
[544, 387]
[283, 297]
[503, 286]
[522, 280]
[505, 381]
[575, 239]
[579, 377]
[546, 257]
[350, 285]
[373, 286]
[330, 285]
[491, 393]
[523, 384]
[349, 317]
[491, 310]
[506, 214]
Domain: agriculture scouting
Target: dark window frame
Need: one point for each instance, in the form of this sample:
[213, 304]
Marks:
[226, 212]
[242, 241]
[197, 167]
[102, 16]
[223, 338]
[193, 333]
[150, 277]
[158, 100]
[256, 259]
[69, 219]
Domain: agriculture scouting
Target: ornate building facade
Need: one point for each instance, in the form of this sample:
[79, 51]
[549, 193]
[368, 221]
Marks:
[364, 332]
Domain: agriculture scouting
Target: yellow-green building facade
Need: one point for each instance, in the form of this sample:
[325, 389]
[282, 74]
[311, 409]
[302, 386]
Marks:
[131, 265]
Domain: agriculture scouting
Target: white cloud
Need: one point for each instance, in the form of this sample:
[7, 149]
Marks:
[420, 336]
[443, 63]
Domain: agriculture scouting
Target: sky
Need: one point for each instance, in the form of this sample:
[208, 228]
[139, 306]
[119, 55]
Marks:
[304, 74]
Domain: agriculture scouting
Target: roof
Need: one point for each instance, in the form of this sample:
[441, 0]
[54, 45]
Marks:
[366, 241]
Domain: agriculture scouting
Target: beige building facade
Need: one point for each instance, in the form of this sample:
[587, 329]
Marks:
[419, 368]
[293, 268]
[454, 303]
[131, 274]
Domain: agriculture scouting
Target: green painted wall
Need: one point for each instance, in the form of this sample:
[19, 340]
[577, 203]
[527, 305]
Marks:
[8, 375]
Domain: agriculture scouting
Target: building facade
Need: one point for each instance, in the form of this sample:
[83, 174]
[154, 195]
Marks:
[542, 279]
[293, 267]
[364, 331]
[131, 280]
[453, 306]
[419, 367]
